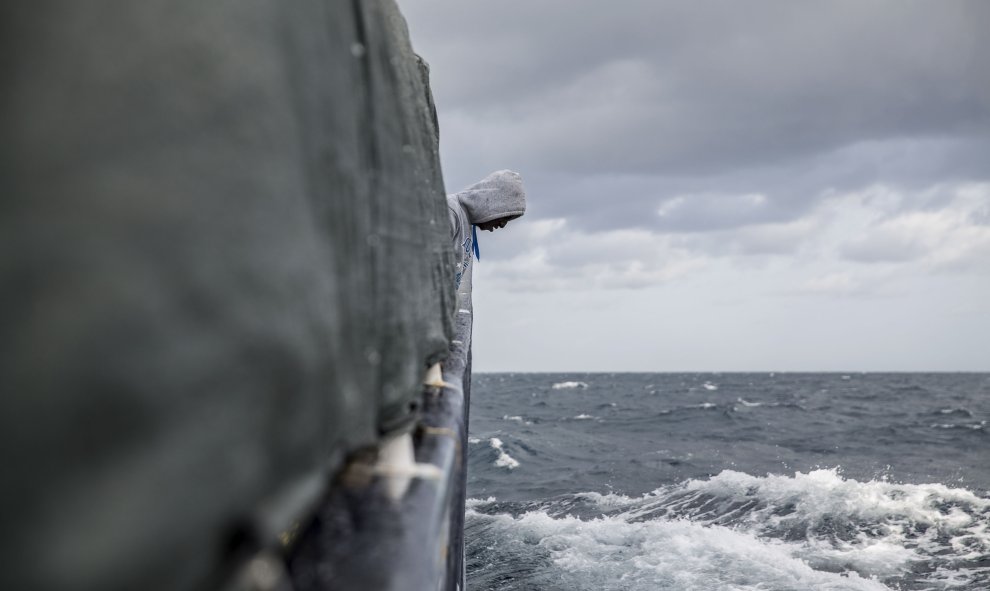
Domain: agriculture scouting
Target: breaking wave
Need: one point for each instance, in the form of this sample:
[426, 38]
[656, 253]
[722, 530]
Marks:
[503, 460]
[813, 530]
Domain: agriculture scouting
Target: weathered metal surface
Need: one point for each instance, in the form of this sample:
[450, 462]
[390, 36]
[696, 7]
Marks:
[224, 266]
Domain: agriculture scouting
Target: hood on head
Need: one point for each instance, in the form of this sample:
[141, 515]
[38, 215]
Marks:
[498, 195]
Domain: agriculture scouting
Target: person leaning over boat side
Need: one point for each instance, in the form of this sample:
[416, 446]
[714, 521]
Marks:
[489, 204]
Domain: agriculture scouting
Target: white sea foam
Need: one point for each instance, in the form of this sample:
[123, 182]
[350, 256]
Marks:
[472, 503]
[831, 524]
[568, 385]
[504, 460]
[606, 500]
[583, 417]
[474, 440]
[974, 426]
[517, 419]
[706, 405]
[610, 552]
[888, 525]
[709, 386]
[748, 403]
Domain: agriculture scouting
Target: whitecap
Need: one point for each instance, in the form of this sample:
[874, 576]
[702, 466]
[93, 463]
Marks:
[516, 419]
[709, 386]
[888, 526]
[583, 417]
[748, 403]
[606, 500]
[504, 460]
[659, 554]
[855, 531]
[568, 385]
[472, 503]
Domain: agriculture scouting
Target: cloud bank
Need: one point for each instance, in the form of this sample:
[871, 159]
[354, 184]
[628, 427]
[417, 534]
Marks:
[785, 152]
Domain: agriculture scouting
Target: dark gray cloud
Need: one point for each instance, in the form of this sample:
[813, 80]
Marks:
[639, 103]
[724, 184]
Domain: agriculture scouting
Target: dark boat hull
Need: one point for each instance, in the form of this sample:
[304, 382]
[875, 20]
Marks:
[225, 268]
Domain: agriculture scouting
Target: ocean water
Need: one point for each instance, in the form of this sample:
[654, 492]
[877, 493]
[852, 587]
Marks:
[766, 482]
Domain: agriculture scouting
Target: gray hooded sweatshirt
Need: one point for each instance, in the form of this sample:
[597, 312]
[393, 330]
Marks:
[498, 195]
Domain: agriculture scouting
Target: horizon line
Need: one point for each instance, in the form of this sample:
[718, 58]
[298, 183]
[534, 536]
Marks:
[745, 371]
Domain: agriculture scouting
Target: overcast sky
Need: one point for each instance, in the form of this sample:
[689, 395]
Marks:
[723, 185]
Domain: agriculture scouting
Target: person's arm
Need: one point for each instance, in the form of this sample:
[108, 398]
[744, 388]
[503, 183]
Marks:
[454, 223]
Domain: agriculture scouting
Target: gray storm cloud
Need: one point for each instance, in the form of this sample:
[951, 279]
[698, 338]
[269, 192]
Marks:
[724, 184]
[706, 98]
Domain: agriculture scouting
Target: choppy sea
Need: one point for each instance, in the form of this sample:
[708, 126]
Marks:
[766, 482]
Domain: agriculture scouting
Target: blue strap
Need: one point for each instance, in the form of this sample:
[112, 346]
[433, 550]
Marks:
[474, 239]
